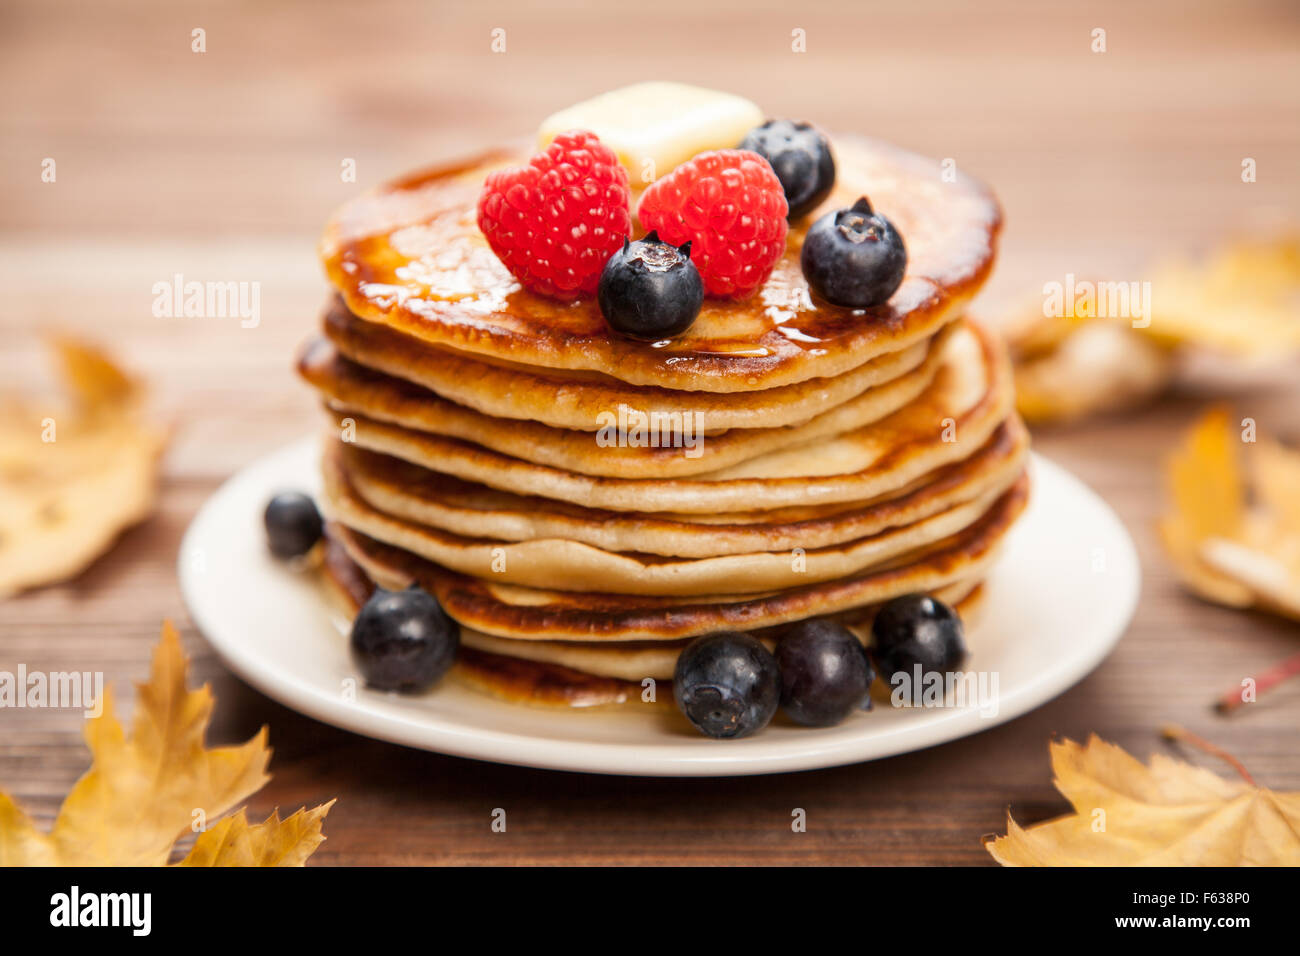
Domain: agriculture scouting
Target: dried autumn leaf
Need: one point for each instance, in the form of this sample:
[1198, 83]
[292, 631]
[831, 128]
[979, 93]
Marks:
[143, 790]
[1277, 481]
[1075, 364]
[1098, 367]
[73, 474]
[1243, 301]
[98, 384]
[1034, 330]
[21, 844]
[234, 842]
[1234, 531]
[1168, 813]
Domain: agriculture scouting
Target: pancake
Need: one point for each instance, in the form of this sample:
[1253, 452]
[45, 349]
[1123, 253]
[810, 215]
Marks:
[664, 451]
[410, 256]
[513, 679]
[574, 566]
[628, 661]
[536, 684]
[575, 399]
[584, 505]
[426, 497]
[635, 661]
[547, 614]
[949, 421]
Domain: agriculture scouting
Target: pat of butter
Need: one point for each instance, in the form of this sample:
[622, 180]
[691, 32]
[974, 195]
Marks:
[655, 127]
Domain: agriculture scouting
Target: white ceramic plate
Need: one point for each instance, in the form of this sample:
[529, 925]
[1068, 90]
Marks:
[1059, 598]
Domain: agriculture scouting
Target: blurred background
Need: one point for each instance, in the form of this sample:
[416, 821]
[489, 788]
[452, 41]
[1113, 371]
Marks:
[223, 165]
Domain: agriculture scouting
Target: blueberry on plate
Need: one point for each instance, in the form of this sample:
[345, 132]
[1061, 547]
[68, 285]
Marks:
[293, 525]
[854, 257]
[650, 289]
[403, 640]
[825, 673]
[917, 630]
[800, 155]
[727, 684]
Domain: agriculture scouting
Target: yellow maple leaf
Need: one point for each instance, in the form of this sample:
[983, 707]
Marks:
[1167, 813]
[144, 791]
[1234, 530]
[96, 381]
[234, 842]
[1240, 301]
[74, 472]
[1240, 304]
[1074, 364]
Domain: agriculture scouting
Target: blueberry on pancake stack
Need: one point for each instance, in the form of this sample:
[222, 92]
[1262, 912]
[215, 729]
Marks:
[682, 372]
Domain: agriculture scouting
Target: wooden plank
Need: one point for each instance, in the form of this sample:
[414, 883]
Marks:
[225, 164]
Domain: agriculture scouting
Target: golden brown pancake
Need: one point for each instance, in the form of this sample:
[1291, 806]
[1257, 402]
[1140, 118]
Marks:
[410, 256]
[665, 451]
[967, 402]
[805, 460]
[574, 566]
[548, 614]
[637, 660]
[575, 399]
[514, 679]
[571, 674]
[427, 497]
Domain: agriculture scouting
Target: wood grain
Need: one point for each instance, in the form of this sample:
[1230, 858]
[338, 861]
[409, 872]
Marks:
[223, 165]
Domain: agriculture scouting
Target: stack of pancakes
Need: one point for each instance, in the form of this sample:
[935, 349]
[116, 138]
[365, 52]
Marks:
[584, 505]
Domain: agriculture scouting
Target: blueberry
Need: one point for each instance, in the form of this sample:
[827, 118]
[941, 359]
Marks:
[854, 257]
[727, 684]
[403, 640]
[916, 630]
[800, 156]
[825, 673]
[293, 525]
[650, 289]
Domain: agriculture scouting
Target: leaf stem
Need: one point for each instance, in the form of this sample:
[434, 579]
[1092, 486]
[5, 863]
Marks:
[1266, 681]
[1175, 733]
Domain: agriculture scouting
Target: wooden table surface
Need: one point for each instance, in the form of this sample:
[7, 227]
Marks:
[223, 165]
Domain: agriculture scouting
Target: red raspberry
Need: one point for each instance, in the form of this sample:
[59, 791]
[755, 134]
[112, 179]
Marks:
[555, 222]
[731, 207]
